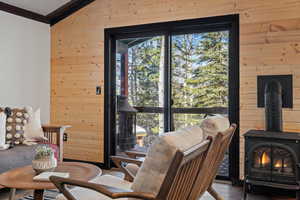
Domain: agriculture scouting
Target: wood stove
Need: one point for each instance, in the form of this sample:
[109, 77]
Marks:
[272, 159]
[272, 156]
[127, 124]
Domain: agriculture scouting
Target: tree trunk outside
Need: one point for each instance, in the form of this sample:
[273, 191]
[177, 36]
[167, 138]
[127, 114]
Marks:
[161, 83]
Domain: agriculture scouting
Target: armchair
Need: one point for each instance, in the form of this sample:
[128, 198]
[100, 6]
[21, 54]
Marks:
[55, 134]
[172, 164]
[130, 165]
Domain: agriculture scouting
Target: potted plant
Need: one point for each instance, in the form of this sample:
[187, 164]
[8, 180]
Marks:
[44, 159]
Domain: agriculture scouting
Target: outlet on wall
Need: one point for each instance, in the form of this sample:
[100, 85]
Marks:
[65, 137]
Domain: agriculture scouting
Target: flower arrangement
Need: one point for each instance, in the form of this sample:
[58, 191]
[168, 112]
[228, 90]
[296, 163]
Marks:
[44, 159]
[43, 152]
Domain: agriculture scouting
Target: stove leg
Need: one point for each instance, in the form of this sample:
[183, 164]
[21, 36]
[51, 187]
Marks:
[38, 194]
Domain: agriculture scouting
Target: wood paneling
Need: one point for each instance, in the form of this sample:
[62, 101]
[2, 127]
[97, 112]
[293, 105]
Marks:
[270, 44]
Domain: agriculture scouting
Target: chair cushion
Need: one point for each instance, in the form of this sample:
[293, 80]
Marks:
[132, 168]
[86, 194]
[159, 158]
[2, 129]
[212, 125]
[33, 129]
[18, 156]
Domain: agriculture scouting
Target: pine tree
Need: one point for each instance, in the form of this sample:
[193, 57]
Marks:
[144, 75]
[199, 76]
[210, 79]
[200, 79]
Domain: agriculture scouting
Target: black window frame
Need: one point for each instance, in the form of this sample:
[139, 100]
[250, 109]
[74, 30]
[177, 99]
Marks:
[209, 24]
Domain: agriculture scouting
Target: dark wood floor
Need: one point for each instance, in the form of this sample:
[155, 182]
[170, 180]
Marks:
[230, 192]
[226, 190]
[236, 193]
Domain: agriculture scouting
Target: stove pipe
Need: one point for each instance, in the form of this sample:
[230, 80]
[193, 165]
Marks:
[273, 106]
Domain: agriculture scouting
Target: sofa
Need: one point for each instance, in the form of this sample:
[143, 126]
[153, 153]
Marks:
[22, 155]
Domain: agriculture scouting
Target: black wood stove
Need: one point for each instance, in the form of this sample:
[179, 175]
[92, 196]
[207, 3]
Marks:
[272, 157]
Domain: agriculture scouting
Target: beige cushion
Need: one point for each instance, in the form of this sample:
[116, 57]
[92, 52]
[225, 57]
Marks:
[2, 129]
[153, 170]
[33, 129]
[86, 194]
[212, 125]
[133, 168]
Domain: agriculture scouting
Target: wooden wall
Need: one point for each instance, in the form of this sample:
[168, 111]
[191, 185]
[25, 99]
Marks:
[270, 44]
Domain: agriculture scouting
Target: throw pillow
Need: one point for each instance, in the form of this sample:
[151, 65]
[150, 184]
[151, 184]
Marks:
[15, 124]
[33, 129]
[2, 129]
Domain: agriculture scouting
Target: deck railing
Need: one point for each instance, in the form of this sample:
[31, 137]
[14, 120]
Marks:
[207, 111]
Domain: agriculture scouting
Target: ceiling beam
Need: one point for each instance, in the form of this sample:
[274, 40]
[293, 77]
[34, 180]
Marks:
[66, 10]
[23, 13]
[52, 18]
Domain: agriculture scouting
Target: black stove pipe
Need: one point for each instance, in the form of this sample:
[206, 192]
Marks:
[273, 106]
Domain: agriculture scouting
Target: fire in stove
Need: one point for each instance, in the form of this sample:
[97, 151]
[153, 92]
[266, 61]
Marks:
[282, 161]
[262, 159]
[265, 159]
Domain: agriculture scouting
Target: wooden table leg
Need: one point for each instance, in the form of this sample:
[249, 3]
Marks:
[245, 190]
[12, 194]
[38, 194]
[297, 195]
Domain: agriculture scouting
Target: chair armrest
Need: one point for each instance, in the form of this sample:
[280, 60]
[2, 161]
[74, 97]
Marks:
[55, 134]
[134, 154]
[126, 160]
[109, 191]
[49, 126]
[118, 160]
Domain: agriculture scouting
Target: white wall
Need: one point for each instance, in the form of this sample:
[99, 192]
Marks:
[24, 63]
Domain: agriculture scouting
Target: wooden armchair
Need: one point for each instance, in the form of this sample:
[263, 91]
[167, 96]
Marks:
[216, 154]
[214, 159]
[171, 167]
[55, 134]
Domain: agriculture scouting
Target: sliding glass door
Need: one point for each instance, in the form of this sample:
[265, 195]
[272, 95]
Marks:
[140, 79]
[199, 79]
[166, 76]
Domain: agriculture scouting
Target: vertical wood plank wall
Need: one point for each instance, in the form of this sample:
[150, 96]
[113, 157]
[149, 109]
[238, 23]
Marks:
[269, 39]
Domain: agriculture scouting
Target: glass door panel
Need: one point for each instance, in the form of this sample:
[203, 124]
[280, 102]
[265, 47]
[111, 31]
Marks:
[140, 83]
[199, 79]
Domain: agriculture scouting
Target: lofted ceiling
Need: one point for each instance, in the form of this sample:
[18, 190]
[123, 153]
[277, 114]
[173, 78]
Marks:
[43, 7]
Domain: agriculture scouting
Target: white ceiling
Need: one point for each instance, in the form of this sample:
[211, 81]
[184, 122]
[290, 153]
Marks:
[43, 7]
